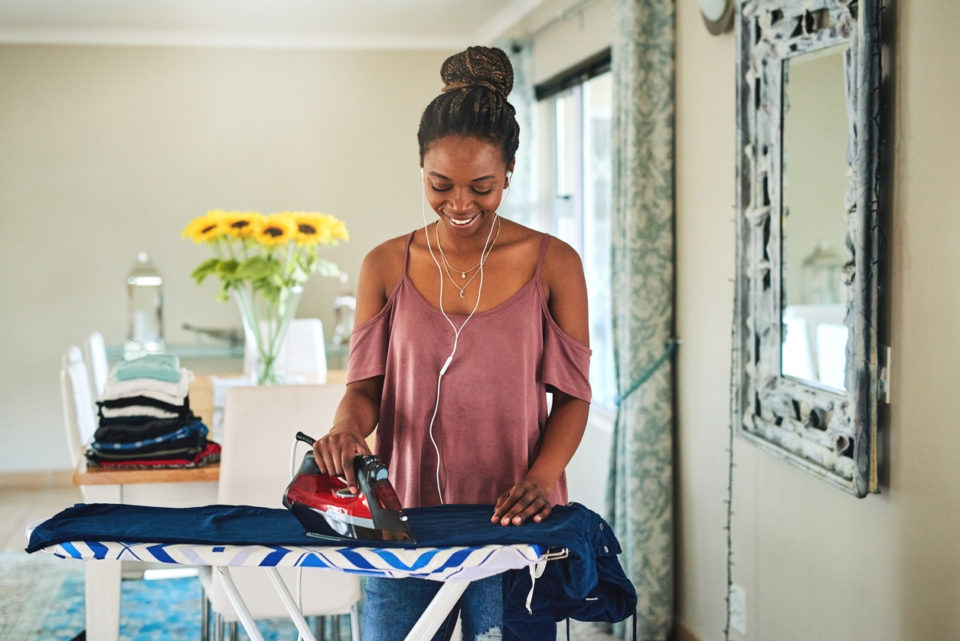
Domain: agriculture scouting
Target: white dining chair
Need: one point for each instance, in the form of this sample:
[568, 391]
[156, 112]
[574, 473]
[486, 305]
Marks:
[259, 426]
[97, 363]
[79, 418]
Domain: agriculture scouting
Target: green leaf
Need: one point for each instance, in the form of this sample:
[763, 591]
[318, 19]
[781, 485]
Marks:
[270, 293]
[204, 269]
[223, 294]
[226, 269]
[299, 275]
[257, 268]
[326, 268]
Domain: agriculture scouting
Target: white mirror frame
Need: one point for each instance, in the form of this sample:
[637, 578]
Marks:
[831, 433]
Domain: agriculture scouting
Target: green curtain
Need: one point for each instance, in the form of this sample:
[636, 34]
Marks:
[640, 487]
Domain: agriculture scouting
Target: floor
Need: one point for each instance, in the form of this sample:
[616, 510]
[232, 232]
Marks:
[21, 508]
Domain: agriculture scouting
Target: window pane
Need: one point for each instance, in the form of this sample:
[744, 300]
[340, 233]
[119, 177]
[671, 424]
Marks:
[567, 216]
[597, 101]
[577, 172]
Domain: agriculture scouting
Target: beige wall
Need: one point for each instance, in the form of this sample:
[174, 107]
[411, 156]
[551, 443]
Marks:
[815, 562]
[109, 150]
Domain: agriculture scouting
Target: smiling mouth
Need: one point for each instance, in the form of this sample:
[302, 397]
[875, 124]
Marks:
[462, 222]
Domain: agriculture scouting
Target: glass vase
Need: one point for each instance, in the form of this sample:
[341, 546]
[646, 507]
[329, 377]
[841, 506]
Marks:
[265, 325]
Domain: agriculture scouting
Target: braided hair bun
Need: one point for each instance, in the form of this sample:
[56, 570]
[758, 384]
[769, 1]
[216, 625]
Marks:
[478, 67]
[473, 102]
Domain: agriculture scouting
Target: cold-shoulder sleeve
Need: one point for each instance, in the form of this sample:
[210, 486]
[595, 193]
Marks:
[566, 362]
[368, 347]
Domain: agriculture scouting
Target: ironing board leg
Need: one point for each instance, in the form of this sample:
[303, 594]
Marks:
[102, 578]
[102, 599]
[289, 604]
[354, 623]
[238, 605]
[441, 605]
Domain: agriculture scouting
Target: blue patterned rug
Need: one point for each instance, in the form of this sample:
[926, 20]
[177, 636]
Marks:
[41, 599]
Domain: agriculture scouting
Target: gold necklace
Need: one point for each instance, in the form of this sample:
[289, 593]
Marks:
[463, 273]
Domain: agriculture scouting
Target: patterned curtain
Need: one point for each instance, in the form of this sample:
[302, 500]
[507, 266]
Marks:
[640, 487]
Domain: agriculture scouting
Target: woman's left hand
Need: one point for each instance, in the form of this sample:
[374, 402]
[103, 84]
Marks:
[524, 501]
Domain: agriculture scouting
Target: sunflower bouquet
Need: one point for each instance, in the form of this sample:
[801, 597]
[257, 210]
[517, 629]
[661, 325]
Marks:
[263, 261]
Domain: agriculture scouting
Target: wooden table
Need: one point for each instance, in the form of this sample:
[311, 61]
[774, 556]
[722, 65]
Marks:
[166, 488]
[162, 488]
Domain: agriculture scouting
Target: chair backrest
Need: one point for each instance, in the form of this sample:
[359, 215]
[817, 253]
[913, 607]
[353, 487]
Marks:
[78, 414]
[97, 362]
[259, 426]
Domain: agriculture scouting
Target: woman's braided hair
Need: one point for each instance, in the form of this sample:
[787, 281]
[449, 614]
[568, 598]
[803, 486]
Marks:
[473, 103]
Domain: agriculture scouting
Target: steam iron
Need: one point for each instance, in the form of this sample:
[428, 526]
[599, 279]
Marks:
[327, 509]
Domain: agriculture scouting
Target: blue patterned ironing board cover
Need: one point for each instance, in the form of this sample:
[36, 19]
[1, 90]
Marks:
[462, 563]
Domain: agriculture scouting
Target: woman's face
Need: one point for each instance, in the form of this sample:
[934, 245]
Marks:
[464, 179]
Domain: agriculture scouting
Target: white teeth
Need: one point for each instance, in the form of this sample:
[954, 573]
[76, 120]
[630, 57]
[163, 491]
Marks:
[461, 223]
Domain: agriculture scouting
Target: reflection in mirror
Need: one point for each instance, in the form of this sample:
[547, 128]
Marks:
[813, 226]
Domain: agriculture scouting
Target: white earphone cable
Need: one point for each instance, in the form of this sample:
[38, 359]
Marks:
[456, 330]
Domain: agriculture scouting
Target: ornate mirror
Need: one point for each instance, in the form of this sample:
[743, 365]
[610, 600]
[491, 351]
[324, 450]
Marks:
[807, 373]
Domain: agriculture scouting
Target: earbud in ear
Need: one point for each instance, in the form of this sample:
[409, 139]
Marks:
[509, 175]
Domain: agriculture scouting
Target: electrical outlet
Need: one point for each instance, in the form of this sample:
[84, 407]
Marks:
[738, 608]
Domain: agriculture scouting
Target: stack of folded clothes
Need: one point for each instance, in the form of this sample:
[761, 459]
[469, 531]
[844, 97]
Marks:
[145, 420]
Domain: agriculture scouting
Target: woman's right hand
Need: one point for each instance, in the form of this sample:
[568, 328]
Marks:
[335, 452]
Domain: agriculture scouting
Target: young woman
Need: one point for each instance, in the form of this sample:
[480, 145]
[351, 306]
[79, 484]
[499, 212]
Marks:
[462, 328]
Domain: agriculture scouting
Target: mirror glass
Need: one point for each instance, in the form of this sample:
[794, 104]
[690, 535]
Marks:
[813, 226]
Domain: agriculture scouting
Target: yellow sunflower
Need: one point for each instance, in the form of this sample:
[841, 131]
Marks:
[243, 224]
[206, 228]
[277, 229]
[307, 227]
[330, 229]
[338, 228]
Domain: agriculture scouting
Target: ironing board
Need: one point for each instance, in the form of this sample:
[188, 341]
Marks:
[455, 566]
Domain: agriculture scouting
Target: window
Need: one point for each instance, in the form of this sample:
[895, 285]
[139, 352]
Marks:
[573, 115]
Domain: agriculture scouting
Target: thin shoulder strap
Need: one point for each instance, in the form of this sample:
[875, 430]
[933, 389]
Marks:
[406, 252]
[543, 252]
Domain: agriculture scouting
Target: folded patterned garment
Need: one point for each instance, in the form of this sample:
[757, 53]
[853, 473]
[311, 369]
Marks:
[209, 454]
[190, 430]
[179, 448]
[160, 367]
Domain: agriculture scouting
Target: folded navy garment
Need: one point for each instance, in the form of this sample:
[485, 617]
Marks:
[190, 430]
[588, 583]
[125, 432]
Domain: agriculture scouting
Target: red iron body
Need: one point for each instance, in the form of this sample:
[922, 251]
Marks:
[327, 509]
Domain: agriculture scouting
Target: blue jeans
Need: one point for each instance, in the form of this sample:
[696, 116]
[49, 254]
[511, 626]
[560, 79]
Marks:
[391, 607]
